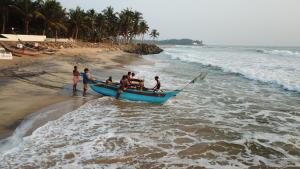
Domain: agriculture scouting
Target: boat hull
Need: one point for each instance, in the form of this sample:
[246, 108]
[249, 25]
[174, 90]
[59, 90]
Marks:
[20, 52]
[134, 95]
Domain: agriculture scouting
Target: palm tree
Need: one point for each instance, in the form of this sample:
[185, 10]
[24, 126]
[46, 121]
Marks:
[111, 22]
[90, 19]
[137, 17]
[58, 27]
[100, 27]
[77, 17]
[28, 10]
[4, 9]
[54, 16]
[154, 34]
[143, 29]
[126, 23]
[50, 18]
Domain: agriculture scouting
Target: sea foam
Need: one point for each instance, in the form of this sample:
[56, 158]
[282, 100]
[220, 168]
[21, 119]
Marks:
[266, 66]
[279, 52]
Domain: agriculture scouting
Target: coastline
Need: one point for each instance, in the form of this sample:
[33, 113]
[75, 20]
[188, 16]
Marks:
[29, 84]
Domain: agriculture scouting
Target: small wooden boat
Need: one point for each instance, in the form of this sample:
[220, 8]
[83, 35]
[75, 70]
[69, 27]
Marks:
[20, 52]
[150, 96]
[25, 52]
[133, 94]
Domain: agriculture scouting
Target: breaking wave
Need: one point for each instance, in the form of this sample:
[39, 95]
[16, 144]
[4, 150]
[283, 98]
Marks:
[279, 52]
[283, 71]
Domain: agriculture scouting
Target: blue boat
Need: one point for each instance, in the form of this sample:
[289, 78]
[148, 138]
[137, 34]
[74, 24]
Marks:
[133, 94]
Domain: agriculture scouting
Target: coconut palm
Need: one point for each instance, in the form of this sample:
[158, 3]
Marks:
[143, 29]
[154, 34]
[77, 18]
[50, 18]
[100, 27]
[137, 18]
[111, 22]
[54, 16]
[28, 10]
[90, 21]
[126, 24]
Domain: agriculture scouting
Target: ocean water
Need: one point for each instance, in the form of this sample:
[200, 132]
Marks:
[245, 114]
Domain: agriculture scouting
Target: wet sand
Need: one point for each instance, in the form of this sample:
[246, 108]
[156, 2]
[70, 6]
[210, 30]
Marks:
[28, 84]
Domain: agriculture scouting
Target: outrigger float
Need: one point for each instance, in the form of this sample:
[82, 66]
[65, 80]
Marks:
[150, 96]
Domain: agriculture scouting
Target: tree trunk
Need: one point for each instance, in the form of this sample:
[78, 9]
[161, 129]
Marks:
[143, 38]
[44, 28]
[76, 33]
[3, 23]
[26, 26]
[73, 32]
[56, 35]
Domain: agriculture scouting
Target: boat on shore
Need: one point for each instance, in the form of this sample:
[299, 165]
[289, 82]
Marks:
[150, 96]
[20, 51]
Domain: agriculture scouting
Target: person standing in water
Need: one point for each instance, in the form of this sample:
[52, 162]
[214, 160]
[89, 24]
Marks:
[86, 78]
[123, 85]
[158, 85]
[76, 79]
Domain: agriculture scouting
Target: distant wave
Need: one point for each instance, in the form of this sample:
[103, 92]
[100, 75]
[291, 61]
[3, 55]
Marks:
[284, 72]
[279, 52]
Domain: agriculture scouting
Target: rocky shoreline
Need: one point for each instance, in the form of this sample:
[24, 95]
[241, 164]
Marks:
[139, 48]
[142, 49]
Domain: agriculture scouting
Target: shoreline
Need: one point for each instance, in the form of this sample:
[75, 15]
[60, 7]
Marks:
[29, 84]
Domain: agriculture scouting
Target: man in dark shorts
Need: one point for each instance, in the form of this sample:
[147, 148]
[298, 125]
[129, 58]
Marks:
[86, 78]
[123, 85]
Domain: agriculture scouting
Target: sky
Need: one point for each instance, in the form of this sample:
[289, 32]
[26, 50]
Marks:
[218, 22]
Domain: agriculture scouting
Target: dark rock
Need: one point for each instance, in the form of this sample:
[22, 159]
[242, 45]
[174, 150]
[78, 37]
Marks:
[142, 49]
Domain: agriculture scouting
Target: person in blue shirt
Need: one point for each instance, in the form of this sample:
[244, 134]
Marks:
[86, 78]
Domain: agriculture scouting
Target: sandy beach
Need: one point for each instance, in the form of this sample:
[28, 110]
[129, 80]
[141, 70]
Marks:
[28, 84]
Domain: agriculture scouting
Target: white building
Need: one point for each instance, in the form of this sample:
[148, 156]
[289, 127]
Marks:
[25, 38]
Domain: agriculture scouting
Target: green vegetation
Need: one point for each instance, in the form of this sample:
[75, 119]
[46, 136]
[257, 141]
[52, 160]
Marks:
[48, 17]
[154, 34]
[171, 41]
[180, 42]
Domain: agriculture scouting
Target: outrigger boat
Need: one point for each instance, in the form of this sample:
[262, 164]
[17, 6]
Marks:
[150, 96]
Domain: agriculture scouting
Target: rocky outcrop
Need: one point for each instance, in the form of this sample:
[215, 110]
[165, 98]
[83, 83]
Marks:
[142, 49]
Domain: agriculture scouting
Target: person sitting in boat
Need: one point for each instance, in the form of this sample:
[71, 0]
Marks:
[136, 83]
[129, 77]
[76, 79]
[133, 79]
[132, 75]
[157, 86]
[123, 85]
[109, 80]
[87, 78]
